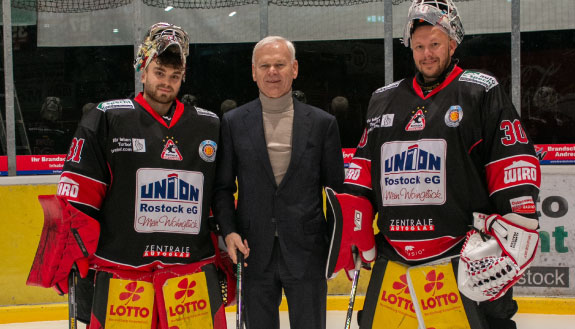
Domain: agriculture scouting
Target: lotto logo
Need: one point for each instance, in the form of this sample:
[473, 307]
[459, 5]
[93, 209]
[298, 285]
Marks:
[435, 284]
[186, 291]
[396, 299]
[133, 293]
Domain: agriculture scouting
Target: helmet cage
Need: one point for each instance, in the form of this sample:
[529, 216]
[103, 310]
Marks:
[441, 13]
[161, 37]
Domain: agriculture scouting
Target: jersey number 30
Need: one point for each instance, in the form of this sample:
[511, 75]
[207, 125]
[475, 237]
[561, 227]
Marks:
[514, 133]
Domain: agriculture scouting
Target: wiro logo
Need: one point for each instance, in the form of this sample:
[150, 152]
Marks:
[186, 291]
[132, 294]
[171, 188]
[434, 285]
[396, 299]
[520, 171]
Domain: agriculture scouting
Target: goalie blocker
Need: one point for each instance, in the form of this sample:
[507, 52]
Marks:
[350, 220]
[69, 236]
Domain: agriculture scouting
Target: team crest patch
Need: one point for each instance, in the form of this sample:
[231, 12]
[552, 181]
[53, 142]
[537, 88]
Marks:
[417, 121]
[116, 104]
[481, 79]
[171, 151]
[208, 150]
[453, 116]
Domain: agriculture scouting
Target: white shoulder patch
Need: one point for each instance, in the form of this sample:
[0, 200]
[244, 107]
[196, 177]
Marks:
[389, 86]
[116, 104]
[479, 78]
[205, 112]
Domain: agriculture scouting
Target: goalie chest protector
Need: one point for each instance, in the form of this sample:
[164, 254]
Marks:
[430, 158]
[150, 181]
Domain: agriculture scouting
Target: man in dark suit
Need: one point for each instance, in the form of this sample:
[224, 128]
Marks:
[282, 153]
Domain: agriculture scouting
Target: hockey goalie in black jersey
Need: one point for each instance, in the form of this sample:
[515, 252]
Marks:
[444, 152]
[133, 204]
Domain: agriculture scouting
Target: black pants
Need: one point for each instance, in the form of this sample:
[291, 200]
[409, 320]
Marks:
[306, 296]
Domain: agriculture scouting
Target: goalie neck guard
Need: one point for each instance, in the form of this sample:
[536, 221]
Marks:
[442, 13]
[161, 37]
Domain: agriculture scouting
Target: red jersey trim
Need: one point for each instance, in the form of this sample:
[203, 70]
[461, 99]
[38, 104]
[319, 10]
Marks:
[415, 250]
[456, 71]
[474, 145]
[177, 113]
[512, 171]
[82, 189]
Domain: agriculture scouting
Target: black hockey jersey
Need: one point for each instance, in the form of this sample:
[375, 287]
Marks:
[429, 161]
[148, 183]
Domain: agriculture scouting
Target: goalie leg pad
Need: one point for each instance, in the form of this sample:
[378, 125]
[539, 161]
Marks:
[124, 300]
[438, 304]
[350, 220]
[397, 293]
[68, 236]
[190, 296]
[387, 301]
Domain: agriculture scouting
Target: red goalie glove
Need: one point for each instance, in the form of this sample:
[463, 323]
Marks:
[350, 224]
[68, 236]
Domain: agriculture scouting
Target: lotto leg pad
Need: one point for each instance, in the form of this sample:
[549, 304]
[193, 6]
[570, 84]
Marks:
[124, 300]
[190, 296]
[397, 293]
[388, 300]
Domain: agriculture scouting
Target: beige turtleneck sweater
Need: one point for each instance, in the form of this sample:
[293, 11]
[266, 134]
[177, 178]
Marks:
[278, 127]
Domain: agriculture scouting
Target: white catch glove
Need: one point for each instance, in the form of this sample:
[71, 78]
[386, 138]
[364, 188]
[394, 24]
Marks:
[495, 254]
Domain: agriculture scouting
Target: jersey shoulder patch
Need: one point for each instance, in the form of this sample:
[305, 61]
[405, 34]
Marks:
[201, 111]
[116, 104]
[485, 80]
[389, 86]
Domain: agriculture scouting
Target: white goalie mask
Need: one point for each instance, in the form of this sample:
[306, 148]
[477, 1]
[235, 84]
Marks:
[162, 37]
[442, 13]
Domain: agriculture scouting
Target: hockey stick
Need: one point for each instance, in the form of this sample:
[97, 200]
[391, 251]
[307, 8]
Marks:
[72, 307]
[353, 288]
[239, 291]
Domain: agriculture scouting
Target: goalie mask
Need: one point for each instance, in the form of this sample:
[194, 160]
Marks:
[442, 13]
[162, 37]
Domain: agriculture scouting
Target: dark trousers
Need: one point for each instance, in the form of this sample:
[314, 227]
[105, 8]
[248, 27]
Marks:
[306, 296]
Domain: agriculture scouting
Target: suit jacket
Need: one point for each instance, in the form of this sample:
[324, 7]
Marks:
[294, 209]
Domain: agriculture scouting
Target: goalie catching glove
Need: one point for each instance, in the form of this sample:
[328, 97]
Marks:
[495, 254]
[69, 236]
[349, 220]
